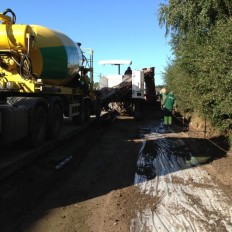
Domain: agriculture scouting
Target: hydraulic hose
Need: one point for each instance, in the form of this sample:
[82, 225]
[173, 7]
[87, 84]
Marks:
[13, 18]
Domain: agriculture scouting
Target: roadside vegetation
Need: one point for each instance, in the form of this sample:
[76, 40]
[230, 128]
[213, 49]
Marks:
[200, 72]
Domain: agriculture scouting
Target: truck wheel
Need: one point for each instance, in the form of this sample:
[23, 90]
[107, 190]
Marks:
[80, 119]
[87, 111]
[39, 127]
[138, 111]
[56, 120]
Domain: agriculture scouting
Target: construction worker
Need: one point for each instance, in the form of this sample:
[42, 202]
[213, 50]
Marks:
[169, 104]
[85, 82]
[128, 71]
[163, 95]
[98, 106]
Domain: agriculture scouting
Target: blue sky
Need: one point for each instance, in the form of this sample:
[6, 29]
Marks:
[122, 29]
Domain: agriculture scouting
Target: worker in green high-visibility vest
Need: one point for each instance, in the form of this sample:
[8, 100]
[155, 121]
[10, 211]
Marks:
[169, 106]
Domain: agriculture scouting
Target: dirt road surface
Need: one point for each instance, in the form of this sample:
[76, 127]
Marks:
[128, 176]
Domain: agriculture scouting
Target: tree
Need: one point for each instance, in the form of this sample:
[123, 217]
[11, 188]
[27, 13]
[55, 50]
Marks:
[201, 73]
[190, 16]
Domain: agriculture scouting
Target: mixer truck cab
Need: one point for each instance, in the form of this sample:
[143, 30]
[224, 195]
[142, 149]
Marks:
[40, 71]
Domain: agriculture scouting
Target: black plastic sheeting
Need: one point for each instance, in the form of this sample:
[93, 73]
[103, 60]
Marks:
[182, 196]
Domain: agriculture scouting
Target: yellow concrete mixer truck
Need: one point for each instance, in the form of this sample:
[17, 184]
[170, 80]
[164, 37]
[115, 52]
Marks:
[41, 72]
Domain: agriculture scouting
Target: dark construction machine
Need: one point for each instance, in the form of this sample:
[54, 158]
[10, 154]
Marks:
[40, 73]
[128, 94]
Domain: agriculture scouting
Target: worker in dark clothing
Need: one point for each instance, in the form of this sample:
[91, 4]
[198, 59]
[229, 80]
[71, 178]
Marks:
[85, 82]
[128, 71]
[98, 106]
[169, 105]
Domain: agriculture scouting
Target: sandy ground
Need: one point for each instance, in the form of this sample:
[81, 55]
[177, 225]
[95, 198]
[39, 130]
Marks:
[126, 176]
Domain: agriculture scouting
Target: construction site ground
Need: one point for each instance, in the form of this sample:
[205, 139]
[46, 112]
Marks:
[124, 175]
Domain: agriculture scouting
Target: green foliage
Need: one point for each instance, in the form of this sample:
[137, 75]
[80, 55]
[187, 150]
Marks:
[201, 73]
[230, 140]
[181, 17]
